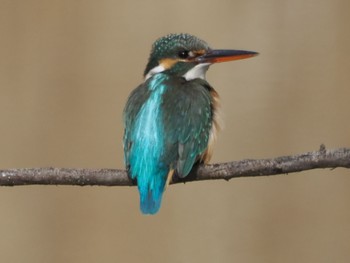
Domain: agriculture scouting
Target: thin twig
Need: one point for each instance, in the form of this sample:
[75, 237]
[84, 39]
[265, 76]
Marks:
[245, 168]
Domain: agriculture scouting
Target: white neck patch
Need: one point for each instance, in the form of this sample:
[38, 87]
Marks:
[197, 71]
[154, 71]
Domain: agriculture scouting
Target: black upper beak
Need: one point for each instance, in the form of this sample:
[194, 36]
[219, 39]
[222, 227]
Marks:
[223, 55]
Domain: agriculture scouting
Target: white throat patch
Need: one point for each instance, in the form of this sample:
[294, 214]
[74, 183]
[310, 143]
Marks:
[197, 71]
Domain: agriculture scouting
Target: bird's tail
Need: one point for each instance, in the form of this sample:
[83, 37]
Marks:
[150, 202]
[152, 193]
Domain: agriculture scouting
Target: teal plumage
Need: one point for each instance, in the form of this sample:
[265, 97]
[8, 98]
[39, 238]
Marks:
[171, 118]
[167, 128]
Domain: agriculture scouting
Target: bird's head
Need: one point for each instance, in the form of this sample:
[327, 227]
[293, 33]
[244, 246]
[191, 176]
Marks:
[187, 56]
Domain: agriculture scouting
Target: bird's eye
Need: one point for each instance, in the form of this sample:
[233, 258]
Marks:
[183, 54]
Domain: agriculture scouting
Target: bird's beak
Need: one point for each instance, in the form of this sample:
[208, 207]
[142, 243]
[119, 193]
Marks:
[223, 55]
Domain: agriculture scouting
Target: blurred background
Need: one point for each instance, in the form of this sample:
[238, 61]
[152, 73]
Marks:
[66, 70]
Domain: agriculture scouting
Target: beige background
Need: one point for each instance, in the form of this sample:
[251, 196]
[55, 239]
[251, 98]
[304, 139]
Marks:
[66, 69]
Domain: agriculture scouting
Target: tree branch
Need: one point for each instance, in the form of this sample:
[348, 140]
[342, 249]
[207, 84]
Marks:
[245, 168]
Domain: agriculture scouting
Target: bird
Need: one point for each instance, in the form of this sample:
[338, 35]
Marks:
[171, 119]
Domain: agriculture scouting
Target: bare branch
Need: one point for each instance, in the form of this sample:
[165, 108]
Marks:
[245, 168]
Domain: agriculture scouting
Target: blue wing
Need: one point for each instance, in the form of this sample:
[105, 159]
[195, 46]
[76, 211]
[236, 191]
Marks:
[188, 122]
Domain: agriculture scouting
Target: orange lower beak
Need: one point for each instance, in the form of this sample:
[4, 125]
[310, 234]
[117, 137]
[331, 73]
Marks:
[216, 56]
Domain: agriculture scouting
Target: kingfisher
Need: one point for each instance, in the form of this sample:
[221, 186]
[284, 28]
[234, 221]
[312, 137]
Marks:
[171, 119]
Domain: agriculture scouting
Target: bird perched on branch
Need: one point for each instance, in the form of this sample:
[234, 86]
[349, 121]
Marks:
[171, 118]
